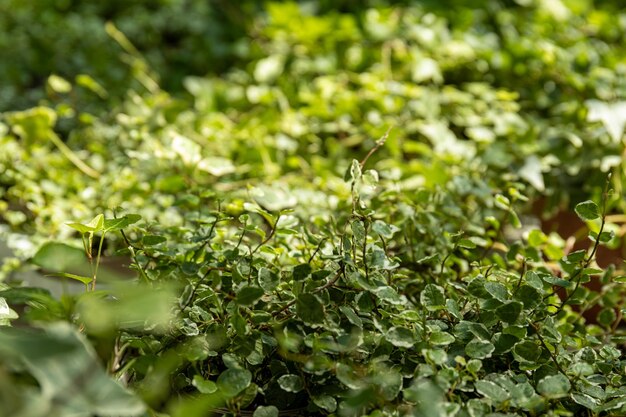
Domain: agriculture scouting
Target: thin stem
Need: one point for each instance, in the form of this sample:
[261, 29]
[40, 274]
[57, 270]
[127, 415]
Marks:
[552, 355]
[133, 254]
[317, 249]
[73, 158]
[98, 256]
[379, 143]
[330, 283]
[521, 276]
[269, 236]
[587, 261]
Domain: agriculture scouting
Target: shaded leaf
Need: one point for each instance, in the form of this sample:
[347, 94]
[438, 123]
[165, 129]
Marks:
[232, 381]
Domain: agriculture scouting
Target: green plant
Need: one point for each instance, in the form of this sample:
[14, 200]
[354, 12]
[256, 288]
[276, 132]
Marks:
[268, 272]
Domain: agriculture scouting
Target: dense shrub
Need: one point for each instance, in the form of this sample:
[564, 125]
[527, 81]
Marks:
[328, 223]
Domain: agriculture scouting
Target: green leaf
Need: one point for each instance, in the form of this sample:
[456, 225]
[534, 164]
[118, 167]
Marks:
[358, 230]
[554, 386]
[89, 83]
[556, 281]
[265, 411]
[233, 381]
[203, 385]
[453, 308]
[63, 361]
[576, 256]
[121, 222]
[6, 313]
[587, 210]
[607, 316]
[497, 290]
[504, 342]
[528, 295]
[492, 391]
[300, 272]
[390, 382]
[291, 383]
[388, 294]
[479, 349]
[249, 295]
[432, 298]
[509, 311]
[267, 279]
[309, 309]
[84, 280]
[353, 172]
[441, 338]
[477, 288]
[401, 337]
[347, 376]
[59, 84]
[273, 199]
[527, 350]
[466, 243]
[33, 124]
[387, 231]
[152, 240]
[59, 257]
[586, 401]
[326, 403]
[96, 224]
[351, 316]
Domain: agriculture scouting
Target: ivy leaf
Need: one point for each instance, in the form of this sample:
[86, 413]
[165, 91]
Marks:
[347, 376]
[385, 230]
[6, 313]
[121, 222]
[309, 309]
[586, 401]
[233, 381]
[554, 386]
[353, 172]
[300, 272]
[494, 392]
[441, 338]
[267, 279]
[358, 230]
[59, 257]
[587, 210]
[527, 350]
[95, 225]
[390, 383]
[576, 256]
[326, 403]
[351, 316]
[432, 298]
[203, 385]
[152, 240]
[479, 349]
[249, 295]
[84, 280]
[466, 243]
[497, 290]
[388, 294]
[509, 311]
[63, 361]
[401, 337]
[528, 295]
[265, 411]
[291, 383]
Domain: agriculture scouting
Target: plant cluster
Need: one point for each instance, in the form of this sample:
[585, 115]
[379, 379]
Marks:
[277, 258]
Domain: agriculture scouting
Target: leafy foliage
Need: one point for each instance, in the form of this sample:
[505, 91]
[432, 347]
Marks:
[335, 226]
